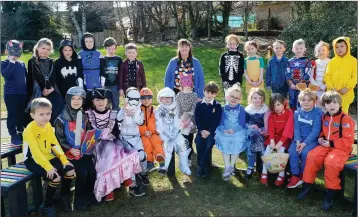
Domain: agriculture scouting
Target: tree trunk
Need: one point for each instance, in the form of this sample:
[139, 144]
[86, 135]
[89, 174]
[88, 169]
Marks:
[179, 32]
[184, 22]
[84, 29]
[226, 14]
[74, 22]
[121, 25]
[193, 26]
[209, 18]
[143, 22]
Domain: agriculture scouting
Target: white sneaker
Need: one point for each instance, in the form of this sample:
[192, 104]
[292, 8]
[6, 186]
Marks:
[227, 172]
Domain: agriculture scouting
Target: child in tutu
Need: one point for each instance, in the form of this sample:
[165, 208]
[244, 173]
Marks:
[114, 165]
[168, 126]
[257, 115]
[231, 134]
[280, 132]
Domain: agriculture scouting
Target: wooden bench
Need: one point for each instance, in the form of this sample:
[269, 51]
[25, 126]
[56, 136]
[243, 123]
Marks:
[13, 187]
[10, 151]
[351, 166]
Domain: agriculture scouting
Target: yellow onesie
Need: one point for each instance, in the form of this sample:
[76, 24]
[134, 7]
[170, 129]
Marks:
[342, 72]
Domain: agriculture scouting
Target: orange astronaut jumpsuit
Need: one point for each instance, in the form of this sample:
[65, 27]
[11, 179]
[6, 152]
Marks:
[339, 131]
[152, 144]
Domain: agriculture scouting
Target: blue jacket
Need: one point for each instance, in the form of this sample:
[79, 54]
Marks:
[207, 117]
[15, 77]
[276, 73]
[92, 65]
[308, 126]
[199, 80]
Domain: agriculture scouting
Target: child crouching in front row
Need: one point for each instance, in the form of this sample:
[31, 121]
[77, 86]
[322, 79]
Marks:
[335, 145]
[39, 147]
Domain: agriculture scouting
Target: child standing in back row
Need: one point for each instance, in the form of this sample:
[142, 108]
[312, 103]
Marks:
[131, 72]
[276, 69]
[14, 72]
[341, 73]
[319, 67]
[254, 67]
[91, 63]
[231, 65]
[298, 71]
[112, 64]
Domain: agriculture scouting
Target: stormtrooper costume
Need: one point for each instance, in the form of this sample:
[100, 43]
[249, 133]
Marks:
[168, 127]
[130, 118]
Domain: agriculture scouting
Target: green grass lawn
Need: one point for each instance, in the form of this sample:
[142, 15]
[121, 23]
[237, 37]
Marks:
[191, 196]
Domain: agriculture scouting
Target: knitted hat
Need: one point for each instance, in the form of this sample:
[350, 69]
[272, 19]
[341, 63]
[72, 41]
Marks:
[186, 80]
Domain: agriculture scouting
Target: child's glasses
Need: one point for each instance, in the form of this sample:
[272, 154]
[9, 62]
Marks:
[234, 98]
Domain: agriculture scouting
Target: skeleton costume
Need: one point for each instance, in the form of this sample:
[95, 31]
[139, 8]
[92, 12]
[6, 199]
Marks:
[168, 127]
[231, 68]
[130, 118]
[114, 164]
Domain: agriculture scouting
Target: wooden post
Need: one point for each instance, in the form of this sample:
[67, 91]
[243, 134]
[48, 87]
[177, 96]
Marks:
[17, 200]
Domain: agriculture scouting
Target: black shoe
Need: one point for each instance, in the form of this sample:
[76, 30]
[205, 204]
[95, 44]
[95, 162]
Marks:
[91, 200]
[162, 171]
[151, 167]
[306, 189]
[67, 204]
[80, 204]
[248, 176]
[328, 199]
[48, 211]
[136, 191]
[200, 172]
[143, 179]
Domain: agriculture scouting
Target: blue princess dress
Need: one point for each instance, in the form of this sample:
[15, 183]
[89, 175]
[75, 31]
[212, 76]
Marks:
[232, 118]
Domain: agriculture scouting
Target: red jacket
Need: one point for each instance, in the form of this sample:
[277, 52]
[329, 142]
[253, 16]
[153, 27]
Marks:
[339, 130]
[123, 76]
[280, 128]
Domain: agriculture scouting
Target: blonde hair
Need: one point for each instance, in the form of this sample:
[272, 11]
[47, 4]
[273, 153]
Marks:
[258, 91]
[331, 96]
[40, 103]
[232, 37]
[307, 92]
[131, 46]
[233, 88]
[40, 43]
[299, 42]
[320, 44]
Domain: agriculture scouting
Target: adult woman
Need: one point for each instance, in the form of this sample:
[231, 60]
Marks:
[184, 64]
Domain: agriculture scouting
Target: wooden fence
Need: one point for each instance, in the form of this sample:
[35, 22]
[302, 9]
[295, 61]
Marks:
[99, 38]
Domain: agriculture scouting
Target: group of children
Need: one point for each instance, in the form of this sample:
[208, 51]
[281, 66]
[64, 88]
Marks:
[105, 147]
